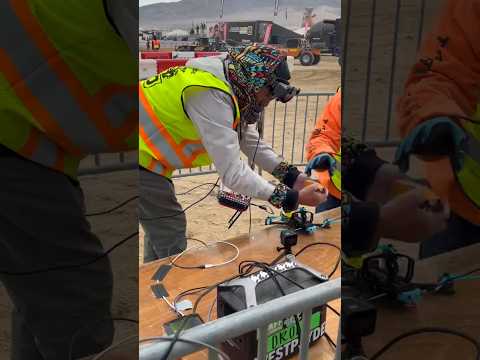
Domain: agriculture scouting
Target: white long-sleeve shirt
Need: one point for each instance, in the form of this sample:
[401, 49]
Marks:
[211, 111]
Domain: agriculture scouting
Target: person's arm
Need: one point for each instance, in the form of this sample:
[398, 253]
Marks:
[252, 146]
[212, 113]
[445, 79]
[326, 136]
[268, 160]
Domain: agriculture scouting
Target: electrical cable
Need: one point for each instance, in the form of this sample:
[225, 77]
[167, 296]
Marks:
[114, 208]
[210, 309]
[189, 341]
[71, 266]
[425, 330]
[183, 210]
[114, 346]
[75, 334]
[265, 208]
[244, 269]
[194, 311]
[238, 213]
[194, 188]
[188, 292]
[334, 310]
[337, 264]
[173, 307]
[270, 272]
[205, 266]
[330, 341]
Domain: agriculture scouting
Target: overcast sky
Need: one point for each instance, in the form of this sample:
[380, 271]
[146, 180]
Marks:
[148, 2]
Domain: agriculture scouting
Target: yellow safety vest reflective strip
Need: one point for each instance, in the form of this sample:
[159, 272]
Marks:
[50, 116]
[168, 140]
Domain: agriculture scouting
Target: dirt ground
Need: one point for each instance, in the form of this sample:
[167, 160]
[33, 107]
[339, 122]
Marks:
[104, 192]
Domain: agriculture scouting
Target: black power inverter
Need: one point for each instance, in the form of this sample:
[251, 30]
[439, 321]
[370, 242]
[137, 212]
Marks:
[258, 288]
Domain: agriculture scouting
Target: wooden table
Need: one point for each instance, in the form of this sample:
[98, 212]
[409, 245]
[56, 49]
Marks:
[154, 312]
[459, 312]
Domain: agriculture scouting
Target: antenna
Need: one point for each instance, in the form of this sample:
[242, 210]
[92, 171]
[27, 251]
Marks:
[275, 11]
[221, 8]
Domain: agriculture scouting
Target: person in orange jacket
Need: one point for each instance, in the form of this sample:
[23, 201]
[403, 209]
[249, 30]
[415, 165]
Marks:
[368, 177]
[323, 146]
[371, 206]
[439, 112]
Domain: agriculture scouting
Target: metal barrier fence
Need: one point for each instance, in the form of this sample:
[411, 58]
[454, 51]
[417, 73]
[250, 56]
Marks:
[255, 318]
[285, 126]
[106, 163]
[373, 73]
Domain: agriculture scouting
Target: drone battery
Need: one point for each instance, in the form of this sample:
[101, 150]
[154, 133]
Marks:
[259, 288]
[233, 200]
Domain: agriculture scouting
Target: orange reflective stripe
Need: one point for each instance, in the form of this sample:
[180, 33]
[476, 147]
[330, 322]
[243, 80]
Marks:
[37, 109]
[151, 165]
[60, 162]
[154, 164]
[161, 129]
[32, 143]
[153, 148]
[89, 104]
[195, 153]
[131, 122]
[237, 115]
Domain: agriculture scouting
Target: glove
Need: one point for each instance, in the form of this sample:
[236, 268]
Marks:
[438, 136]
[321, 162]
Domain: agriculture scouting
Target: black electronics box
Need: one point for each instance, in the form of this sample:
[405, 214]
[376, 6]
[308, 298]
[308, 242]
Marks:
[258, 288]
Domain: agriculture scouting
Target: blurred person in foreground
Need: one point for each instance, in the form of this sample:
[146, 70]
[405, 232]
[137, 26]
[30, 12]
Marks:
[439, 119]
[372, 204]
[204, 113]
[68, 72]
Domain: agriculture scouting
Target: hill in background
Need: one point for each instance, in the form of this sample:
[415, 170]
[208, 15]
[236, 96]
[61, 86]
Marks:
[164, 16]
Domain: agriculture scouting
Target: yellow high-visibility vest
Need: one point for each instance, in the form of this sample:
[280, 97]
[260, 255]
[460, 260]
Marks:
[168, 138]
[67, 83]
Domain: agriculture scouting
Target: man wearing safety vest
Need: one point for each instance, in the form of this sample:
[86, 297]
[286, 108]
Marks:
[439, 112]
[67, 89]
[205, 113]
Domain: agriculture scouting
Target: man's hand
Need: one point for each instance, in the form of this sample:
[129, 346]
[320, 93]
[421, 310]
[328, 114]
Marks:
[409, 218]
[312, 195]
[321, 162]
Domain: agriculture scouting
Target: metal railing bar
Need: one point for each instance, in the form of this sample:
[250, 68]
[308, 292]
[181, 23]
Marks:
[284, 125]
[274, 121]
[244, 321]
[305, 129]
[305, 334]
[369, 70]
[262, 339]
[393, 67]
[294, 128]
[420, 25]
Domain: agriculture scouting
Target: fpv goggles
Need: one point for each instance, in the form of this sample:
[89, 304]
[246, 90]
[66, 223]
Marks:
[280, 87]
